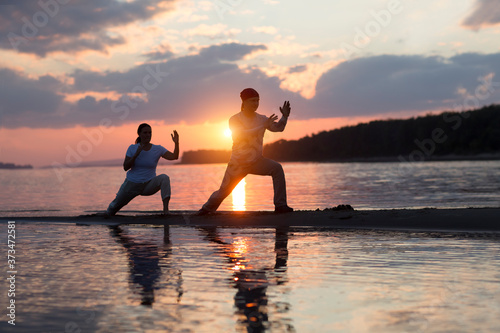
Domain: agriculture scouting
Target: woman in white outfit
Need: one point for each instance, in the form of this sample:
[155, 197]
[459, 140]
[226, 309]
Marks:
[140, 163]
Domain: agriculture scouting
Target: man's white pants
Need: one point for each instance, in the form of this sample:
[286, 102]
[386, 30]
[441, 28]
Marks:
[235, 173]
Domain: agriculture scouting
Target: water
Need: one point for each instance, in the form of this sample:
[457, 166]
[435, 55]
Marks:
[309, 186]
[145, 278]
[150, 279]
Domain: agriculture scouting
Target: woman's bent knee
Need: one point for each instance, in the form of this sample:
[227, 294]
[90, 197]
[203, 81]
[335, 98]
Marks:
[164, 178]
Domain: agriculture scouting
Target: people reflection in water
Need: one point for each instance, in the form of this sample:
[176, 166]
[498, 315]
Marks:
[251, 298]
[144, 262]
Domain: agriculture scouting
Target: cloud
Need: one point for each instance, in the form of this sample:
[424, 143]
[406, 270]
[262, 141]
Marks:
[71, 26]
[25, 100]
[208, 62]
[486, 12]
[193, 88]
[205, 87]
[389, 83]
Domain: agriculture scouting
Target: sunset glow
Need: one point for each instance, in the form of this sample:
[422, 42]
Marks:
[182, 64]
[368, 131]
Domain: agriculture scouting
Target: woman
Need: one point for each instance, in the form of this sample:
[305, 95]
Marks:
[140, 163]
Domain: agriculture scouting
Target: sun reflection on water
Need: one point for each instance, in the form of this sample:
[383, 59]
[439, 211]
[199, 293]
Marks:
[239, 248]
[238, 195]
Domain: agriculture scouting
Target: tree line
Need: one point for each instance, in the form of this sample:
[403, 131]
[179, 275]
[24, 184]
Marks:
[205, 156]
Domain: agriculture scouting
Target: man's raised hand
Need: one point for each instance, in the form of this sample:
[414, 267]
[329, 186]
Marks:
[285, 109]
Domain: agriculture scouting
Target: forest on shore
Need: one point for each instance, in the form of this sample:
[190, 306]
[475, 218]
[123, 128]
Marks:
[448, 135]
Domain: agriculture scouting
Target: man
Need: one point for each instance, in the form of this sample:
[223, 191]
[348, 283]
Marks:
[248, 128]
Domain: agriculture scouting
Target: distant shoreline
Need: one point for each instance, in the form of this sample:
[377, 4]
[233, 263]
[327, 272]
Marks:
[447, 158]
[478, 157]
[12, 166]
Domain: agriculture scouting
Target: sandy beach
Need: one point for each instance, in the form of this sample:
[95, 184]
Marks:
[428, 219]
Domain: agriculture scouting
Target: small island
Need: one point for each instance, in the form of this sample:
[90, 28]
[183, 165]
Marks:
[14, 166]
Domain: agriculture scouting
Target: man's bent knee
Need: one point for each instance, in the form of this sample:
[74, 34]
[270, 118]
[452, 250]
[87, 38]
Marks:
[278, 169]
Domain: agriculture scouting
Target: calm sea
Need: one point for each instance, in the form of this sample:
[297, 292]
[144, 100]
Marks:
[142, 278]
[309, 185]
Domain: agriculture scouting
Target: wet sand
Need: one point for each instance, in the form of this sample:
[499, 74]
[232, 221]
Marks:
[428, 219]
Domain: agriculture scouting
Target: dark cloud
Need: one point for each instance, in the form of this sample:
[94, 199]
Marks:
[387, 83]
[24, 100]
[41, 27]
[486, 12]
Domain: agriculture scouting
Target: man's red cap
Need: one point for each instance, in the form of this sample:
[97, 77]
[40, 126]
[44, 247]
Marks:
[248, 93]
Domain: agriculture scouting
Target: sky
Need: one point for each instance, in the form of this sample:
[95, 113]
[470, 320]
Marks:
[77, 77]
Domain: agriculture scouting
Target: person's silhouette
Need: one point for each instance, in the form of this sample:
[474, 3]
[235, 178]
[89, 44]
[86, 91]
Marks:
[247, 129]
[140, 163]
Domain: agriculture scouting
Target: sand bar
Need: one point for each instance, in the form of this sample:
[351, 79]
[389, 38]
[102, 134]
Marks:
[428, 219]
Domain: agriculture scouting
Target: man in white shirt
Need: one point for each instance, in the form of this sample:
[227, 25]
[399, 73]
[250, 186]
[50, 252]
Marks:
[248, 128]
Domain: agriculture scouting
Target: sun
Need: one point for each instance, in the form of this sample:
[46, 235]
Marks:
[227, 133]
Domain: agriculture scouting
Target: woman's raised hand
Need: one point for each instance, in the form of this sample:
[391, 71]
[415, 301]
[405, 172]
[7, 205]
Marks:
[175, 137]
